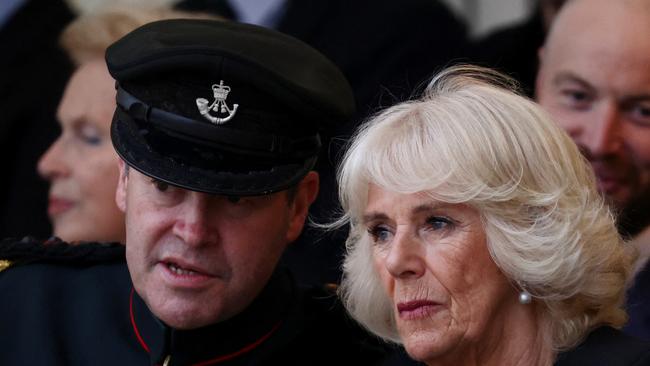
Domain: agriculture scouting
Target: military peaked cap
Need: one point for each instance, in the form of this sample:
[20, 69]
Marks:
[222, 107]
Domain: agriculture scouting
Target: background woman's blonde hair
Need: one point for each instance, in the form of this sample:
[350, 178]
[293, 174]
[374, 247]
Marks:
[88, 36]
[472, 139]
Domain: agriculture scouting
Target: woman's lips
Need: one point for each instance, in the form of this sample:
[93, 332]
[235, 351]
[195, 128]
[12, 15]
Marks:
[58, 205]
[417, 309]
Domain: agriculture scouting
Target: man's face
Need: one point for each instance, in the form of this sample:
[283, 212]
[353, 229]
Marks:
[595, 81]
[197, 259]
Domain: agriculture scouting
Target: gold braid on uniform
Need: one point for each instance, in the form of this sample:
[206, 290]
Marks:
[29, 250]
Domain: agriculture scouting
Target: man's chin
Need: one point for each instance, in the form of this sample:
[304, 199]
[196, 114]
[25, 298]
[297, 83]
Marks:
[186, 319]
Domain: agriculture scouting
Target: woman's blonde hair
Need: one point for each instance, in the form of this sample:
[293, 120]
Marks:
[88, 36]
[472, 139]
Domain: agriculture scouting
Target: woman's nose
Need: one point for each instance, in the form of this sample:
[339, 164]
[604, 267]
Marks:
[52, 164]
[405, 257]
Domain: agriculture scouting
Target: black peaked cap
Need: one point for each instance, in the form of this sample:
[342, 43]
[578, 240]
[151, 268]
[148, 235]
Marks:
[222, 107]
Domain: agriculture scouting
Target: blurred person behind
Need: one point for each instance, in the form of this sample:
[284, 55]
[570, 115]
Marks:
[594, 79]
[81, 164]
[478, 236]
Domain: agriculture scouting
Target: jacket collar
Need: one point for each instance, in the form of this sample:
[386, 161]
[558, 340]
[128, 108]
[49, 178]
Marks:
[220, 342]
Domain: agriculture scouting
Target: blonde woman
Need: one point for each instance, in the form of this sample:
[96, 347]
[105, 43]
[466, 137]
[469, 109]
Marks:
[478, 236]
[81, 165]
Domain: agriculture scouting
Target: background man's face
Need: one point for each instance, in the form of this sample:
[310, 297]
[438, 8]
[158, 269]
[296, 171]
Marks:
[595, 81]
[196, 258]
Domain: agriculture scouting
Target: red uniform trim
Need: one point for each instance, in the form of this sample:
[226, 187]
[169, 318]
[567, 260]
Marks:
[215, 360]
[243, 350]
[135, 327]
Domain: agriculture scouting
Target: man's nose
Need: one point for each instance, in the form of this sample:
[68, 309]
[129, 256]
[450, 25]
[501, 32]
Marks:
[405, 258]
[602, 137]
[196, 223]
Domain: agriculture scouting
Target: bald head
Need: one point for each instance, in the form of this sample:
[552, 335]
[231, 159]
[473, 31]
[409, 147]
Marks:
[603, 22]
[594, 79]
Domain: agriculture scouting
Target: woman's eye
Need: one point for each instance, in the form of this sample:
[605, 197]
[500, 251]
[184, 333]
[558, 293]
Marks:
[379, 233]
[89, 134]
[439, 223]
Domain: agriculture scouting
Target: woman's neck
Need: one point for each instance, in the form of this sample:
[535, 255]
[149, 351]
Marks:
[519, 337]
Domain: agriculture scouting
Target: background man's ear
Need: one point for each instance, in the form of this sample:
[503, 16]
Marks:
[120, 192]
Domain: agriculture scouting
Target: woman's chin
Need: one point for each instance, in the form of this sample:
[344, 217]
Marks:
[425, 347]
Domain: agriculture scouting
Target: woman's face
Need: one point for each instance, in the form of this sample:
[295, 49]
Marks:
[81, 165]
[448, 295]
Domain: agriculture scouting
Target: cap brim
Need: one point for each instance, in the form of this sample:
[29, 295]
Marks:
[132, 146]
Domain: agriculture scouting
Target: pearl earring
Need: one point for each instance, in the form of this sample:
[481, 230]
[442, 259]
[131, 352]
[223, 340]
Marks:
[525, 297]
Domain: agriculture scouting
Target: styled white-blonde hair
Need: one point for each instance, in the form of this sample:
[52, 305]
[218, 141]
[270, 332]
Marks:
[88, 36]
[472, 139]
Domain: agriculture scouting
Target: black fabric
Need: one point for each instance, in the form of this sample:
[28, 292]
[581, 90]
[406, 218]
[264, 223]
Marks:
[606, 346]
[34, 73]
[638, 305]
[55, 313]
[54, 250]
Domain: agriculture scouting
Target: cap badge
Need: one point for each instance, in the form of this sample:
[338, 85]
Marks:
[219, 105]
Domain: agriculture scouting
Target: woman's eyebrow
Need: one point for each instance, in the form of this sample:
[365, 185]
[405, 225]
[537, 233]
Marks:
[373, 216]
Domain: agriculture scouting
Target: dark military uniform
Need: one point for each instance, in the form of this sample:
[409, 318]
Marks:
[65, 305]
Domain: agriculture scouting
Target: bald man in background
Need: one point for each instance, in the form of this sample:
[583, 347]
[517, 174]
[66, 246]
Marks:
[594, 79]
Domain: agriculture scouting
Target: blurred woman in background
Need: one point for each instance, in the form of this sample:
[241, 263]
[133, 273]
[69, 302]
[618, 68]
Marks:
[81, 164]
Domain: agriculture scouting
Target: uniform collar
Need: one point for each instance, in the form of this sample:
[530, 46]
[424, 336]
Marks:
[211, 345]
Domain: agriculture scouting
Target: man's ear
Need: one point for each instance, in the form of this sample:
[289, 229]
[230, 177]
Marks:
[120, 192]
[305, 195]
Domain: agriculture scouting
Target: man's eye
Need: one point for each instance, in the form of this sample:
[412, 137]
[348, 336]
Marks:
[575, 98]
[234, 199]
[160, 185]
[640, 114]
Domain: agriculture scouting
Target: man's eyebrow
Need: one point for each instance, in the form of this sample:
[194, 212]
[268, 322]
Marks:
[636, 98]
[569, 77]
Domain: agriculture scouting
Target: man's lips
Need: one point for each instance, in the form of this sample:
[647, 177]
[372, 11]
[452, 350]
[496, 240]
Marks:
[57, 205]
[184, 268]
[609, 185]
[417, 309]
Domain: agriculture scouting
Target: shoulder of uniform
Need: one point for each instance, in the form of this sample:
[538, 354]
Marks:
[14, 252]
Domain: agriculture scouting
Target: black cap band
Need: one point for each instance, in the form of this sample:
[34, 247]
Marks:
[224, 138]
